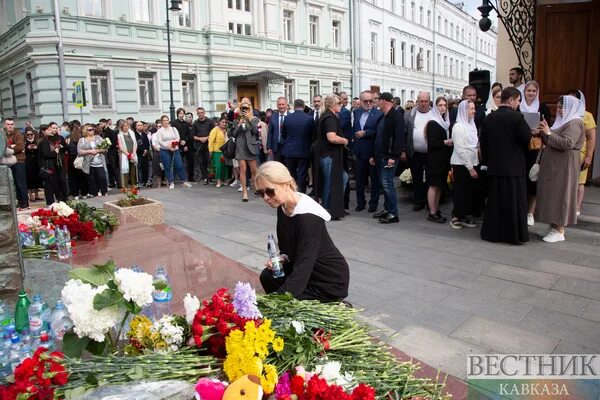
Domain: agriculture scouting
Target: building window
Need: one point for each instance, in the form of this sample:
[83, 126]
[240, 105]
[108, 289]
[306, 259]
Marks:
[445, 65]
[439, 64]
[313, 89]
[457, 33]
[451, 30]
[462, 70]
[288, 90]
[393, 7]
[288, 25]
[188, 89]
[147, 86]
[446, 27]
[230, 4]
[393, 92]
[439, 27]
[31, 98]
[421, 16]
[428, 19]
[451, 67]
[393, 51]
[428, 61]
[313, 29]
[1, 105]
[403, 9]
[420, 59]
[93, 8]
[403, 54]
[141, 10]
[13, 97]
[100, 87]
[412, 95]
[412, 11]
[373, 46]
[247, 29]
[336, 87]
[412, 56]
[185, 15]
[231, 27]
[335, 33]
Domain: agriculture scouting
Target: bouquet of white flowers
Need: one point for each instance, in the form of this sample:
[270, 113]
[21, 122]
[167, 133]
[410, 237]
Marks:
[105, 144]
[406, 177]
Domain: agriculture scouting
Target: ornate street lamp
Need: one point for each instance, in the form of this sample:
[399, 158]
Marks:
[518, 18]
[174, 7]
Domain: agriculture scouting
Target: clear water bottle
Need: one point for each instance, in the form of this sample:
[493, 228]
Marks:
[4, 364]
[38, 315]
[43, 237]
[274, 257]
[162, 294]
[60, 322]
[27, 239]
[63, 243]
[5, 315]
[15, 352]
[45, 341]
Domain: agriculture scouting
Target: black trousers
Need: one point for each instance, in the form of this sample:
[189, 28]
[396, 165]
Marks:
[271, 284]
[362, 171]
[463, 191]
[418, 165]
[189, 163]
[201, 161]
[112, 166]
[78, 183]
[298, 168]
[142, 168]
[97, 181]
[55, 187]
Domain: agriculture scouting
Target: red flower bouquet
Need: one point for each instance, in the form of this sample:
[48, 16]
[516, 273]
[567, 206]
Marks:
[175, 144]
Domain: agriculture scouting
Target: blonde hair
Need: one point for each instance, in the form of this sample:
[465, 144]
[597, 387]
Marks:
[328, 102]
[275, 172]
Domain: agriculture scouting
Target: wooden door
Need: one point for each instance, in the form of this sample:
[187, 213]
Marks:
[249, 90]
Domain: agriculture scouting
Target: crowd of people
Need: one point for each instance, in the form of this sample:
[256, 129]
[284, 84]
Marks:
[509, 165]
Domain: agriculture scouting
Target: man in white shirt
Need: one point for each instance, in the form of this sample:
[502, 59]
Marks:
[416, 147]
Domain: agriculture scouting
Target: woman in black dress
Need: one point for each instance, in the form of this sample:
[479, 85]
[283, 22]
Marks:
[315, 270]
[51, 155]
[438, 158]
[32, 165]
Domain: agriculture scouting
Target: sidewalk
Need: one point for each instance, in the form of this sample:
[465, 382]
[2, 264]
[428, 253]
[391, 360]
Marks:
[445, 293]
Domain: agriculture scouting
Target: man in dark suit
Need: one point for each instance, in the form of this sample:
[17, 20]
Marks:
[366, 119]
[345, 117]
[297, 132]
[275, 142]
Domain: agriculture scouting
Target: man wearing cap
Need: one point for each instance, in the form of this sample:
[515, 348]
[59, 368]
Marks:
[389, 142]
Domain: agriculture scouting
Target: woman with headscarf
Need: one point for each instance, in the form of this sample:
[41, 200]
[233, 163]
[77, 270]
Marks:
[559, 168]
[438, 157]
[493, 100]
[531, 104]
[464, 160]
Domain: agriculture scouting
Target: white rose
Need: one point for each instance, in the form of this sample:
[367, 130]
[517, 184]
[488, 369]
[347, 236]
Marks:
[191, 304]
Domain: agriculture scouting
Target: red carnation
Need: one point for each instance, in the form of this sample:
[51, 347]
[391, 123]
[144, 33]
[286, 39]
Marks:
[297, 386]
[363, 392]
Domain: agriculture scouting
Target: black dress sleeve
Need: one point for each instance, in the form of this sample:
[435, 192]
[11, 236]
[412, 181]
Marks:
[435, 141]
[308, 242]
[545, 112]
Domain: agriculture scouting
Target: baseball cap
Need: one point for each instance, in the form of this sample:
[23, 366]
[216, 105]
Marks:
[386, 96]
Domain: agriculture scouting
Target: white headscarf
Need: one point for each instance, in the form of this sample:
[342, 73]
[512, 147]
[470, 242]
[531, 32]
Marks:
[443, 120]
[490, 105]
[535, 104]
[462, 118]
[571, 109]
[582, 106]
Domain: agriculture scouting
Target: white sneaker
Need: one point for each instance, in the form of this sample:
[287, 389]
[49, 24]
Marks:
[234, 183]
[240, 189]
[530, 220]
[171, 186]
[554, 236]
[578, 213]
[186, 184]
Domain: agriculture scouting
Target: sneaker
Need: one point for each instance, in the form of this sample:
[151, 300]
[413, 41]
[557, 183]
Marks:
[467, 222]
[554, 236]
[455, 223]
[530, 220]
[23, 208]
[380, 214]
[437, 218]
[171, 186]
[577, 213]
[240, 189]
[234, 183]
[186, 184]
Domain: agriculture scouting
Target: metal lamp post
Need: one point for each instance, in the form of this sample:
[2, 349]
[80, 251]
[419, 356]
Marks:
[174, 7]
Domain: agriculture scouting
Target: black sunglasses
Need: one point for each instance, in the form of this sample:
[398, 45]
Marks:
[90, 129]
[367, 101]
[270, 192]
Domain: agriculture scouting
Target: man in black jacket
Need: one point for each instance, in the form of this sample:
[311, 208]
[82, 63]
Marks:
[112, 155]
[389, 142]
[200, 130]
[504, 139]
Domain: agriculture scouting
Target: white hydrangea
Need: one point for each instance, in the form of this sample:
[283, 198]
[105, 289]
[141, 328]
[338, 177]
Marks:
[78, 297]
[191, 304]
[135, 286]
[331, 372]
[298, 326]
[172, 334]
[62, 209]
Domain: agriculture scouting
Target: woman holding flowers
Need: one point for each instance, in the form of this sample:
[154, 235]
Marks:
[315, 268]
[167, 140]
[216, 139]
[127, 155]
[94, 160]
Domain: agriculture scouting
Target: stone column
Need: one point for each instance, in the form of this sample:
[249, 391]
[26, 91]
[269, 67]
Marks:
[10, 272]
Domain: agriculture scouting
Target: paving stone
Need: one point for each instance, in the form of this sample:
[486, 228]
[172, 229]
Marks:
[437, 350]
[503, 338]
[499, 309]
[567, 347]
[545, 298]
[563, 326]
[417, 287]
[589, 260]
[591, 290]
[563, 269]
[521, 275]
[592, 311]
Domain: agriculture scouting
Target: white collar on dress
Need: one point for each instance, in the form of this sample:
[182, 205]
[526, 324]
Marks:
[307, 205]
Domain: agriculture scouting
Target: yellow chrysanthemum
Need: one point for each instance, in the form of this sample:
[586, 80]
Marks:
[268, 379]
[277, 344]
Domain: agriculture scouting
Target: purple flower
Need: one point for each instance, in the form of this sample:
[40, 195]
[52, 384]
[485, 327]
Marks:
[244, 301]
[283, 387]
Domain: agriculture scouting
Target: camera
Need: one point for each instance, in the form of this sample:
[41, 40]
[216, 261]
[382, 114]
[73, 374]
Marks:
[245, 109]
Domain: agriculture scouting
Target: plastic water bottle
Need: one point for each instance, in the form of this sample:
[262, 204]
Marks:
[63, 243]
[60, 322]
[26, 239]
[277, 268]
[5, 315]
[44, 243]
[38, 316]
[45, 341]
[4, 364]
[22, 311]
[15, 352]
[162, 295]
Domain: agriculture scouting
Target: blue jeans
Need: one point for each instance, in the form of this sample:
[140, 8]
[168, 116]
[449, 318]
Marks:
[386, 177]
[172, 161]
[325, 164]
[19, 172]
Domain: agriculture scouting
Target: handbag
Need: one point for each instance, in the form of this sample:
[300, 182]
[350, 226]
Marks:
[535, 169]
[78, 162]
[228, 149]
[535, 143]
